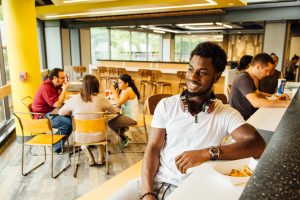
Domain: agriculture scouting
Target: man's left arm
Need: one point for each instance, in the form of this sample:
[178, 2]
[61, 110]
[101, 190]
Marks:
[248, 143]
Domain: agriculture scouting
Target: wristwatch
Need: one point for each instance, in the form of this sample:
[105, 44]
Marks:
[214, 152]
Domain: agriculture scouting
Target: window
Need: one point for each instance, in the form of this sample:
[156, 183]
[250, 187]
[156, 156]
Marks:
[100, 44]
[5, 102]
[154, 47]
[184, 44]
[120, 45]
[138, 46]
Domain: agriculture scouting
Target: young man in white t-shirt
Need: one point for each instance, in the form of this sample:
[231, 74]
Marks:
[187, 130]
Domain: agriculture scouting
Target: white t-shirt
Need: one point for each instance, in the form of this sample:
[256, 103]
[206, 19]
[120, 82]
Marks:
[183, 134]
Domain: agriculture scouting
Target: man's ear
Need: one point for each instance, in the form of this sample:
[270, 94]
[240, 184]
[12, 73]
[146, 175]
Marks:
[217, 77]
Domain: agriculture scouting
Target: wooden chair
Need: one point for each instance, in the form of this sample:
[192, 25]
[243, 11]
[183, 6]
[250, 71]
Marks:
[222, 97]
[149, 108]
[44, 136]
[112, 75]
[80, 70]
[182, 84]
[156, 84]
[103, 75]
[121, 71]
[94, 123]
[145, 81]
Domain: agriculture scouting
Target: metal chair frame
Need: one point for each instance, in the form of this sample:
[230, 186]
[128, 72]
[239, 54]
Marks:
[39, 127]
[28, 107]
[90, 126]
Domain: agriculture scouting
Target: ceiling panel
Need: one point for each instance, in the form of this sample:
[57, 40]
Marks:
[91, 8]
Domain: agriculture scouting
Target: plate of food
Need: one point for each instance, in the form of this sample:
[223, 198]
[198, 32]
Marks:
[236, 171]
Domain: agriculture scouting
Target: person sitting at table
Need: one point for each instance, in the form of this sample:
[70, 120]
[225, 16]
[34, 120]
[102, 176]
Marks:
[269, 83]
[126, 96]
[51, 94]
[187, 130]
[291, 67]
[244, 95]
[89, 100]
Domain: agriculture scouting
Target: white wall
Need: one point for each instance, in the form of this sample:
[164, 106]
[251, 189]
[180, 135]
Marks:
[274, 38]
[53, 47]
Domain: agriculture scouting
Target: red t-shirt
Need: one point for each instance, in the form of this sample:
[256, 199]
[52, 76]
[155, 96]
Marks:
[45, 97]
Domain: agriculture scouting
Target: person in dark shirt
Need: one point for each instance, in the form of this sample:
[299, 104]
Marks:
[290, 68]
[269, 83]
[50, 95]
[244, 95]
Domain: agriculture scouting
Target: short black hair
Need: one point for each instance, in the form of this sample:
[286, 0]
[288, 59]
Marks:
[54, 72]
[295, 57]
[213, 51]
[244, 62]
[262, 58]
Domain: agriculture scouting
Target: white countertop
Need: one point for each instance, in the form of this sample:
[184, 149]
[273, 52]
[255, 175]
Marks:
[266, 118]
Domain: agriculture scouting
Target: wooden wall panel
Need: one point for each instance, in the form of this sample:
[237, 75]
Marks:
[239, 45]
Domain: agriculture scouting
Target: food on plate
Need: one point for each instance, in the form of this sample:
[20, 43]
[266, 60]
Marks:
[246, 171]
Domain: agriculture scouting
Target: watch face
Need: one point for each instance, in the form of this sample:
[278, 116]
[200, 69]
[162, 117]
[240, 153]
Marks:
[215, 150]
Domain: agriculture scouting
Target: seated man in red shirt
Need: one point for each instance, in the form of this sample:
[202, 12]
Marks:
[50, 95]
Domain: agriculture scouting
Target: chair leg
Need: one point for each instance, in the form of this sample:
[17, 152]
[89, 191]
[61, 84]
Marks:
[106, 159]
[76, 164]
[38, 165]
[62, 170]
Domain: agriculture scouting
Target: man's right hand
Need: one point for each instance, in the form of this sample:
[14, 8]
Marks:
[65, 86]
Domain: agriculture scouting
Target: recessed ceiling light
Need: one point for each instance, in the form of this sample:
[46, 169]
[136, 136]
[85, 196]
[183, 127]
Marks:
[196, 24]
[210, 3]
[157, 31]
[90, 1]
[227, 26]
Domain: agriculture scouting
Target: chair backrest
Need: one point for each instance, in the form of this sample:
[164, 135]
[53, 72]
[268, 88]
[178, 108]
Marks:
[85, 123]
[181, 75]
[121, 71]
[222, 97]
[79, 69]
[102, 70]
[155, 74]
[27, 102]
[34, 126]
[152, 102]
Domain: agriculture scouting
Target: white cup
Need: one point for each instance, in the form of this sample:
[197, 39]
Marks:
[281, 85]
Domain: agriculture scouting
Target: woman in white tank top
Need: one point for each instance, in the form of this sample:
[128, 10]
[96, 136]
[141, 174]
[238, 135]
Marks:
[126, 96]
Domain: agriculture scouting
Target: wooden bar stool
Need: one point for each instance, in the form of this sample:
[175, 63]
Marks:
[112, 75]
[80, 70]
[156, 84]
[103, 75]
[145, 80]
[121, 70]
[182, 83]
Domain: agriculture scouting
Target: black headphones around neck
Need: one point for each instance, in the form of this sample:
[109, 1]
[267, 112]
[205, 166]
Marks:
[207, 107]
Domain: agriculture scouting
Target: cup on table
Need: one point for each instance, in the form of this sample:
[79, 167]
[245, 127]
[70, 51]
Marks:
[106, 93]
[280, 86]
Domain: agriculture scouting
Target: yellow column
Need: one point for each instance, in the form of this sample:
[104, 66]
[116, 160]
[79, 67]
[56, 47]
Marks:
[22, 49]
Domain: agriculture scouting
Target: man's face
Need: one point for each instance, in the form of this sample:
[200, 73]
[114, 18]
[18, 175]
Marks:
[58, 81]
[200, 75]
[262, 71]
